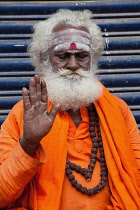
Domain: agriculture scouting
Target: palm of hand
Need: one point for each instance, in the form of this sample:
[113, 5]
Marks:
[37, 121]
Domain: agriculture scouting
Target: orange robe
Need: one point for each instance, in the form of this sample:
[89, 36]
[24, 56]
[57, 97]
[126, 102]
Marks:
[79, 146]
[27, 182]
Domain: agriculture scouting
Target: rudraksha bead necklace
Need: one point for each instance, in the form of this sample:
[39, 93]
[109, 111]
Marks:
[87, 173]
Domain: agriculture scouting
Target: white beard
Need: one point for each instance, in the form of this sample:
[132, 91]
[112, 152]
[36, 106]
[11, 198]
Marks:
[72, 90]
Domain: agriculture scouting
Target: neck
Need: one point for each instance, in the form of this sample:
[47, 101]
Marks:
[75, 116]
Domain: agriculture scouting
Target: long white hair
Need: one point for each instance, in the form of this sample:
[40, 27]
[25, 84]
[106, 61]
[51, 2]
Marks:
[43, 34]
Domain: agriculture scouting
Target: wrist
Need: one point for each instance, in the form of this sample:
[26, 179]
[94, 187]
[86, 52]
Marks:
[28, 146]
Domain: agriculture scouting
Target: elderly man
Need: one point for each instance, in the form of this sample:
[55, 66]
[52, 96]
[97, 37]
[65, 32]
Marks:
[71, 145]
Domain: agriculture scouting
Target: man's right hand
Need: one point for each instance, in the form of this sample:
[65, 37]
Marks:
[37, 120]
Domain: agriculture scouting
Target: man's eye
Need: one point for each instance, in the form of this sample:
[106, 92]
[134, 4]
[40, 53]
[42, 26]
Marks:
[62, 56]
[81, 56]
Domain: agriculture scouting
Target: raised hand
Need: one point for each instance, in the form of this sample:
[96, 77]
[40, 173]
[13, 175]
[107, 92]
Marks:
[37, 120]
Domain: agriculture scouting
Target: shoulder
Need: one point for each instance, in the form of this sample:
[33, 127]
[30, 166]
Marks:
[15, 116]
[128, 116]
[18, 107]
[122, 105]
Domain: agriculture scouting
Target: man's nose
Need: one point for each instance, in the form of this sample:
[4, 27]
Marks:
[72, 63]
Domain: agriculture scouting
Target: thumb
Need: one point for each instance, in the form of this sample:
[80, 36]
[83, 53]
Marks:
[55, 109]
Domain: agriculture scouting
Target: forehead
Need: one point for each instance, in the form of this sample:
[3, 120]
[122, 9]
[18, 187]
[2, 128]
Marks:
[62, 28]
[70, 32]
[71, 39]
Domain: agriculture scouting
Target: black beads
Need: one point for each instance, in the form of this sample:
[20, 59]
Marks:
[97, 144]
[74, 182]
[78, 186]
[71, 177]
[84, 190]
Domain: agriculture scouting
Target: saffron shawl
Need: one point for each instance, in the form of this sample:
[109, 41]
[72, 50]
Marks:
[124, 179]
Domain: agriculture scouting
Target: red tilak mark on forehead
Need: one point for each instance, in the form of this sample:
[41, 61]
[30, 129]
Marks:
[73, 46]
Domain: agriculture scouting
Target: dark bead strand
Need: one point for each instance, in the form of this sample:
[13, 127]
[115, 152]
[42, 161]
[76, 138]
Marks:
[87, 173]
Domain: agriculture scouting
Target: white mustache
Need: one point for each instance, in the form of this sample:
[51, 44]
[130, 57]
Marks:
[65, 72]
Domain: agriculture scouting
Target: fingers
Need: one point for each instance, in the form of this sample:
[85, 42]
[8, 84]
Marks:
[37, 92]
[44, 96]
[34, 90]
[38, 87]
[54, 111]
[26, 101]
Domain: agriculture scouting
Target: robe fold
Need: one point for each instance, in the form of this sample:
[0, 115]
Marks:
[44, 173]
